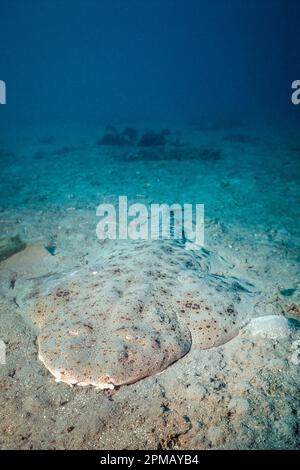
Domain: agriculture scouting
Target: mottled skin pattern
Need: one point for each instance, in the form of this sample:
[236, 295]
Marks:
[138, 311]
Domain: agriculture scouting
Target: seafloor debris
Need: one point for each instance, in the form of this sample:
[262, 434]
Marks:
[9, 246]
[138, 311]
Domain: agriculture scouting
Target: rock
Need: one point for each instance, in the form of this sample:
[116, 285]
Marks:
[287, 292]
[239, 406]
[272, 326]
[9, 246]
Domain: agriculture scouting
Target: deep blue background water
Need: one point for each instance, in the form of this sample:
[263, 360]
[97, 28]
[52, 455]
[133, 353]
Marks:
[89, 61]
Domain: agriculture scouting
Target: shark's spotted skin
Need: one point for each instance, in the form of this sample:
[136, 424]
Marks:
[135, 313]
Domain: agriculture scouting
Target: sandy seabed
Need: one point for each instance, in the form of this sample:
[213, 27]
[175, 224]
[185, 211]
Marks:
[243, 394]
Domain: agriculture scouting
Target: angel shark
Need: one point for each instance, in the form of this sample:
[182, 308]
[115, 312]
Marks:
[137, 309]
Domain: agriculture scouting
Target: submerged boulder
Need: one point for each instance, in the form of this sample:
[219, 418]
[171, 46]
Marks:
[9, 246]
[134, 313]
